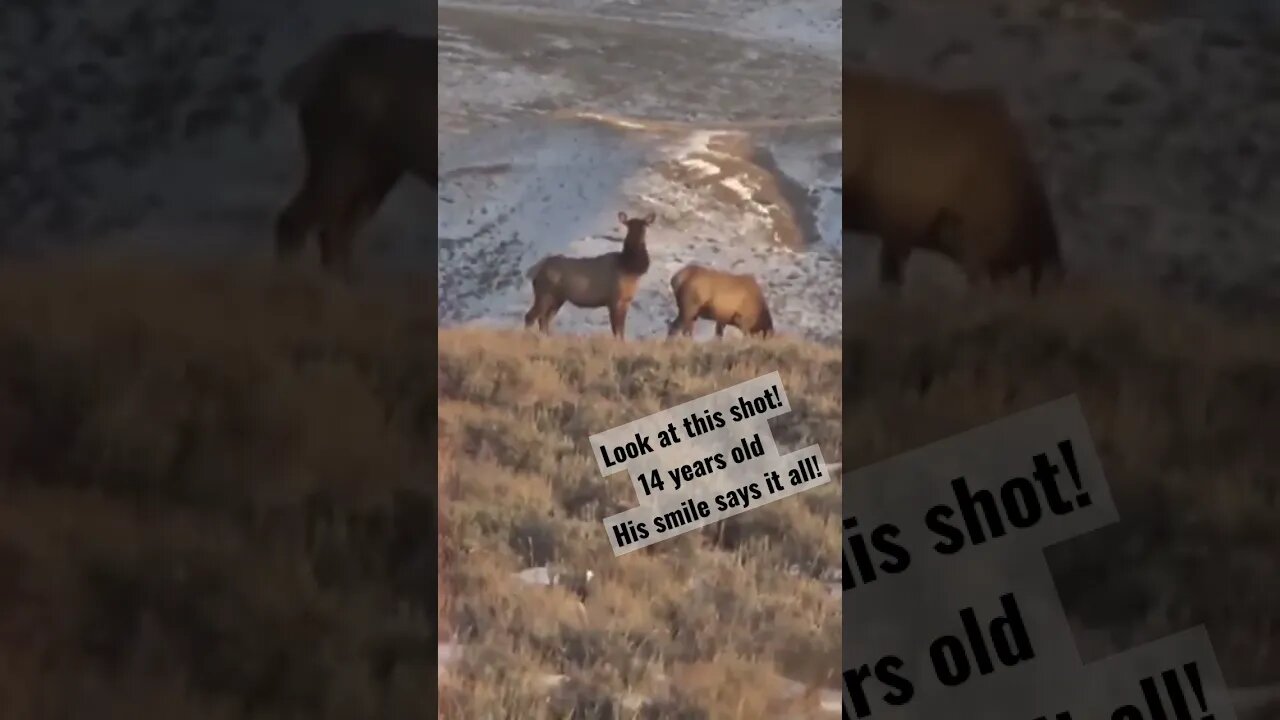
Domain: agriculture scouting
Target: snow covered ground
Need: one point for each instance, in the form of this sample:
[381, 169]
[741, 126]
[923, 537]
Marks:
[1152, 135]
[1156, 135]
[154, 127]
[145, 124]
[554, 119]
[561, 193]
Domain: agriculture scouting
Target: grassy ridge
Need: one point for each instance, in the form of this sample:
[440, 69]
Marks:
[216, 497]
[708, 624]
[1182, 404]
[714, 623]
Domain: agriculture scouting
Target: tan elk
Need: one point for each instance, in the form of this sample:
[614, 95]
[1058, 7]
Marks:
[367, 117]
[723, 297]
[607, 281]
[946, 171]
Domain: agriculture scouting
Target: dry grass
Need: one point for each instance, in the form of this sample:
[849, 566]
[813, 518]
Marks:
[215, 497]
[1179, 401]
[702, 626]
[1183, 405]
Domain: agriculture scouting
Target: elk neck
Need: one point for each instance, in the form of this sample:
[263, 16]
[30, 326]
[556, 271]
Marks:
[635, 255]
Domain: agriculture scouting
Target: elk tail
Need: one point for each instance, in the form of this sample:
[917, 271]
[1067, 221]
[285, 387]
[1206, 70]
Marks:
[678, 279]
[302, 78]
[531, 272]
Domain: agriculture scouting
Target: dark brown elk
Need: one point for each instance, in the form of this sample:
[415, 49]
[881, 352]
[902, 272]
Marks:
[607, 281]
[366, 118]
[722, 297]
[947, 171]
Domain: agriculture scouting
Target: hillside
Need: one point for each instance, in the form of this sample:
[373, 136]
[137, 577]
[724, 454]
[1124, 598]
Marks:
[555, 118]
[217, 496]
[1179, 401]
[1177, 427]
[1153, 129]
[155, 126]
[217, 491]
[731, 617]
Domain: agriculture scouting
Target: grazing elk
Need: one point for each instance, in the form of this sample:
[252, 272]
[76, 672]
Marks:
[726, 298]
[607, 280]
[366, 117]
[947, 171]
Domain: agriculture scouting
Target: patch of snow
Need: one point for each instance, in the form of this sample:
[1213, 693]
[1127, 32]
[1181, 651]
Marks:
[565, 185]
[447, 654]
[739, 187]
[535, 576]
[813, 25]
[616, 121]
[550, 681]
[701, 168]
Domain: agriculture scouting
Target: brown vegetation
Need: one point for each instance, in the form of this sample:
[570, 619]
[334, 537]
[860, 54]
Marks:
[365, 121]
[723, 297]
[216, 497]
[1179, 401]
[1176, 399]
[947, 171]
[218, 500]
[607, 280]
[703, 625]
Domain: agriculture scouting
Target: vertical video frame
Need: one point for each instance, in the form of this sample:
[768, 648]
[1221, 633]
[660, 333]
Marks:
[640, 285]
[1061, 216]
[217, 468]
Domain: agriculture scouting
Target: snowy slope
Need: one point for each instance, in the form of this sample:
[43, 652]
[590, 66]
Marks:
[141, 125]
[1157, 135]
[155, 124]
[553, 122]
[562, 194]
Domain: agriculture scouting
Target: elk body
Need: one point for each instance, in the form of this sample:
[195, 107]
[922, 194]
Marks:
[722, 297]
[946, 171]
[604, 281]
[366, 118]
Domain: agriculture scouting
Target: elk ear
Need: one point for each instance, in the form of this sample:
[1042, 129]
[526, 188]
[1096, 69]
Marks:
[648, 219]
[622, 218]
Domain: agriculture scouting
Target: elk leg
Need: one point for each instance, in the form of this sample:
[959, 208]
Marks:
[680, 326]
[719, 329]
[683, 322]
[553, 310]
[299, 217]
[336, 180]
[618, 319]
[550, 314]
[295, 222]
[538, 312]
[361, 208]
[335, 244]
[893, 260]
[340, 258]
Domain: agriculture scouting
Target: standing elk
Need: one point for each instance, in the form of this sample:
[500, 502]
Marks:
[367, 117]
[726, 298]
[607, 280]
[947, 171]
